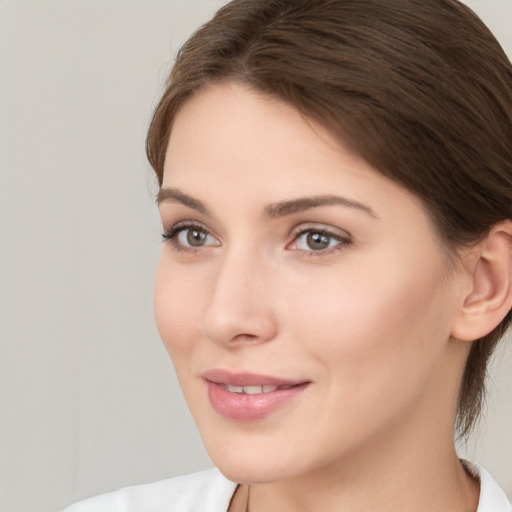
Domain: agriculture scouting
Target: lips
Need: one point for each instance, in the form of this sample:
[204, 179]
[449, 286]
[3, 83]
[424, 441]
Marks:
[249, 397]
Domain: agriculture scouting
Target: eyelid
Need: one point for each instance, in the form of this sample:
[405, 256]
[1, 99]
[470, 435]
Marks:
[305, 227]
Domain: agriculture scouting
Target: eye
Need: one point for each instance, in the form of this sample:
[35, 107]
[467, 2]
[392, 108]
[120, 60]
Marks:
[189, 237]
[194, 237]
[319, 241]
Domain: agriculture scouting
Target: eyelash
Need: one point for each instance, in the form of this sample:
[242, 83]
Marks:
[171, 236]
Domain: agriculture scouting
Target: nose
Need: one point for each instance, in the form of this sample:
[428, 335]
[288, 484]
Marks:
[240, 309]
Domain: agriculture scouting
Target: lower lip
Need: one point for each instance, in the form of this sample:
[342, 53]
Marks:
[243, 407]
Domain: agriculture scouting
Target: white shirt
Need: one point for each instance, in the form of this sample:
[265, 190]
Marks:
[210, 491]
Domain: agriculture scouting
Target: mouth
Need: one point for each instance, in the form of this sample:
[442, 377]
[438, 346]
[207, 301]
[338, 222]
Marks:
[250, 397]
[255, 390]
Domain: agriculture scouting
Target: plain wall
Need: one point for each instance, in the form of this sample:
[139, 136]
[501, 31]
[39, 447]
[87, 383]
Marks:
[88, 399]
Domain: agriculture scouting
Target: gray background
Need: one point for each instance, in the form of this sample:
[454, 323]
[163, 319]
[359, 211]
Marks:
[88, 400]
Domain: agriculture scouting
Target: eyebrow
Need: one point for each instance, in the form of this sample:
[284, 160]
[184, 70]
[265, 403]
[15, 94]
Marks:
[281, 209]
[271, 211]
[174, 195]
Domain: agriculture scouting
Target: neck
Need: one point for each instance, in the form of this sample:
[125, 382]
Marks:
[390, 480]
[458, 493]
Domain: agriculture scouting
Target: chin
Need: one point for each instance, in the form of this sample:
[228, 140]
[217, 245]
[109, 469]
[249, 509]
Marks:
[252, 472]
[254, 461]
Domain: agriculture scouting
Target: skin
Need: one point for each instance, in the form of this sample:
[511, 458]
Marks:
[367, 321]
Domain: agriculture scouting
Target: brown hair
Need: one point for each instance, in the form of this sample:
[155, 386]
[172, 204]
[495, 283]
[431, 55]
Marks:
[420, 89]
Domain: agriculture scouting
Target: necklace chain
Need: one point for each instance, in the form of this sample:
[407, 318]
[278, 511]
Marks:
[248, 496]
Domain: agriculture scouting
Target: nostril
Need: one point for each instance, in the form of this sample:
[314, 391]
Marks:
[242, 328]
[245, 337]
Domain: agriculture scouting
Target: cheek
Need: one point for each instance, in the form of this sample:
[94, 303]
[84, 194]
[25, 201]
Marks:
[177, 305]
[377, 341]
[373, 322]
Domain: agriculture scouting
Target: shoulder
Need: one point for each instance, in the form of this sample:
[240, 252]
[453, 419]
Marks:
[206, 491]
[492, 496]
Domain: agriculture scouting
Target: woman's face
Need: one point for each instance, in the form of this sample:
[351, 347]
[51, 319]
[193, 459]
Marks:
[303, 297]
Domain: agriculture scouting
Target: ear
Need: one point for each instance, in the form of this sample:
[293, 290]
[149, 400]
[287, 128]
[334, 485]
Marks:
[489, 297]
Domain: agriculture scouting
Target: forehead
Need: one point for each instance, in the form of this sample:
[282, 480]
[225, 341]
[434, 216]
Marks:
[229, 125]
[231, 145]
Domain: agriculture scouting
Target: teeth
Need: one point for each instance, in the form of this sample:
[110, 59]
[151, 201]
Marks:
[235, 389]
[254, 390]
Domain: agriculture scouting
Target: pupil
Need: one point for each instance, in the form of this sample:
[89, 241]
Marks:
[195, 237]
[318, 241]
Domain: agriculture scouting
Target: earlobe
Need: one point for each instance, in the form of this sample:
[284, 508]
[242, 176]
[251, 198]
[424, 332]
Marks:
[490, 295]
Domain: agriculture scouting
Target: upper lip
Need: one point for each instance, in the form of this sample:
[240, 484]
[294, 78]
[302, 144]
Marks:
[220, 376]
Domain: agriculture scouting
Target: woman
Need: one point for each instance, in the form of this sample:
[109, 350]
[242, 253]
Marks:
[335, 193]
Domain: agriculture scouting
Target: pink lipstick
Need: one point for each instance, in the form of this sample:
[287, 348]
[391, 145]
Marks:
[249, 397]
